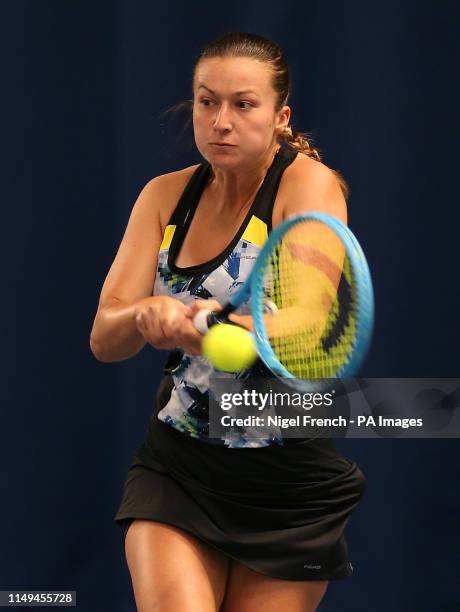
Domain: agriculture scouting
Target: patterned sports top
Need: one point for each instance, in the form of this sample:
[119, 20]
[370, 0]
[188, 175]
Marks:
[187, 409]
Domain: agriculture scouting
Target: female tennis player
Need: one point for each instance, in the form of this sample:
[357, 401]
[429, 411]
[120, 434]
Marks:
[222, 524]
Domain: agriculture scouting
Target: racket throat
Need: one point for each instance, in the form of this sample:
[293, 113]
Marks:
[221, 316]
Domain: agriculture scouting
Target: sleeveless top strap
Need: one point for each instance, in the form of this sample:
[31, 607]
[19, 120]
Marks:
[264, 200]
[266, 195]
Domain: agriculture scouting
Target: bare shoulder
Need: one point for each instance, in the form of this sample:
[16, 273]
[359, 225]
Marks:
[309, 185]
[166, 189]
[132, 274]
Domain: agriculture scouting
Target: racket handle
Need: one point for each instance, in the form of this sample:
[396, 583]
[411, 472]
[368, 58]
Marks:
[200, 320]
[204, 319]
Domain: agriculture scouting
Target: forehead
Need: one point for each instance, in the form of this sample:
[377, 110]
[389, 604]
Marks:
[234, 73]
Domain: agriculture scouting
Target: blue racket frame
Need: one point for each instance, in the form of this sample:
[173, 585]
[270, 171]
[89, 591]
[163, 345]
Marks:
[364, 298]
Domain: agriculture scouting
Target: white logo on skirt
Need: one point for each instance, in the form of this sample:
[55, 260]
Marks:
[308, 566]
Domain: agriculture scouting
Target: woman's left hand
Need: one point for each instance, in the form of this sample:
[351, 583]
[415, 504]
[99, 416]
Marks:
[197, 305]
[214, 306]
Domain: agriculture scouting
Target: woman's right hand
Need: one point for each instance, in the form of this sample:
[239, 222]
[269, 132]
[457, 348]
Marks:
[166, 324]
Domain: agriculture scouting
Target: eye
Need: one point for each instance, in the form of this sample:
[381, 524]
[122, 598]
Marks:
[205, 101]
[244, 104]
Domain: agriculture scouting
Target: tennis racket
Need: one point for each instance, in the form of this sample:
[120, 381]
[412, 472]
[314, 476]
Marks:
[311, 300]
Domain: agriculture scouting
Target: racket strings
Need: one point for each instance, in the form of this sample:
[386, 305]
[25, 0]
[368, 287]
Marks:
[310, 281]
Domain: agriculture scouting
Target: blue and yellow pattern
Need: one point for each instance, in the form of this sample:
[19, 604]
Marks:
[187, 409]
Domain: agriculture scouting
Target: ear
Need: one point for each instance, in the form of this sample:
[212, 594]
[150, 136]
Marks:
[282, 119]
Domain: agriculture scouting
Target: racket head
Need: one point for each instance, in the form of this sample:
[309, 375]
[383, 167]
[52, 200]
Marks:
[315, 272]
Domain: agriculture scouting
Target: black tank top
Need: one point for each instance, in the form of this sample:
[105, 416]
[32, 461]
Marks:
[187, 408]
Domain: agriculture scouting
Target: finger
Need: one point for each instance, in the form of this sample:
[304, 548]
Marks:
[139, 322]
[192, 337]
[165, 346]
[172, 324]
[152, 330]
[195, 307]
[215, 305]
[192, 347]
[198, 305]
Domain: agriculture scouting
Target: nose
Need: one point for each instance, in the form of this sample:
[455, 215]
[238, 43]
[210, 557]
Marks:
[222, 121]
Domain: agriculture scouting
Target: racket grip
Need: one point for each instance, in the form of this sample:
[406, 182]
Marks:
[204, 319]
[200, 320]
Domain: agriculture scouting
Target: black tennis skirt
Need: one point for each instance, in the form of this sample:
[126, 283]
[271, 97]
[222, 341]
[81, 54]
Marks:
[279, 510]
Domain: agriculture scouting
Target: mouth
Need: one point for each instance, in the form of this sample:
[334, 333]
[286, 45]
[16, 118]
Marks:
[221, 144]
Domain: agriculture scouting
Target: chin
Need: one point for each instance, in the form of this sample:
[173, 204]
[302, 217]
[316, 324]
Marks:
[225, 157]
[225, 164]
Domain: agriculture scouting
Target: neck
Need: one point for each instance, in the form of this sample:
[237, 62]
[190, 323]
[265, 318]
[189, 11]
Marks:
[235, 190]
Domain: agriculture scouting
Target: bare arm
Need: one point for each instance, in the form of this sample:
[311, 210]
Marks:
[115, 335]
[128, 315]
[309, 186]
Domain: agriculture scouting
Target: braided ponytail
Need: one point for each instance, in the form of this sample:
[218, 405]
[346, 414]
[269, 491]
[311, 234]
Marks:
[244, 44]
[303, 144]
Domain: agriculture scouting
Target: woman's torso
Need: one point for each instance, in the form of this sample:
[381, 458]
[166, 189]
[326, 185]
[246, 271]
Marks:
[206, 256]
[177, 182]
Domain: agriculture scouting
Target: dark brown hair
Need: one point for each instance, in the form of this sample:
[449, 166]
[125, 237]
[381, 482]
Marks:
[253, 46]
[242, 44]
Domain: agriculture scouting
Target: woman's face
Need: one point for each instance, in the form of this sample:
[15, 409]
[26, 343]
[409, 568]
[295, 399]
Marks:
[234, 116]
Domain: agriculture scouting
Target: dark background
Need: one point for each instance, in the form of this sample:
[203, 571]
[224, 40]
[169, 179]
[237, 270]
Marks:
[84, 85]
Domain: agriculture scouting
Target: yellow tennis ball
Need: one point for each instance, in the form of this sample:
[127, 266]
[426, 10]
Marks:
[229, 348]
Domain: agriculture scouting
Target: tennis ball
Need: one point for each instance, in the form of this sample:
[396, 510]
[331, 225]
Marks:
[229, 347]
